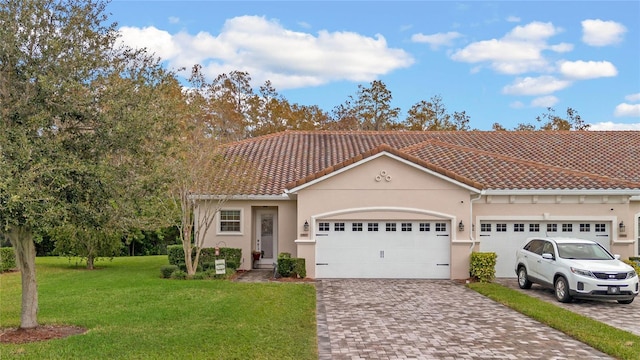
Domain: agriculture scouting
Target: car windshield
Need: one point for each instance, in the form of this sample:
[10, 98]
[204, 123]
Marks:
[583, 252]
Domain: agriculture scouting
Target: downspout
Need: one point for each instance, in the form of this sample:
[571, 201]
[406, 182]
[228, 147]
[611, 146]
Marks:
[471, 232]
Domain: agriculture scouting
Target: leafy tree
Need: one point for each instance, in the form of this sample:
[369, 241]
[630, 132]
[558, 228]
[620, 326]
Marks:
[229, 100]
[432, 116]
[82, 126]
[369, 110]
[572, 121]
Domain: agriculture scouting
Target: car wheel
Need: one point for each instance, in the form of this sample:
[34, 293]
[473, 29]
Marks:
[625, 301]
[523, 281]
[562, 290]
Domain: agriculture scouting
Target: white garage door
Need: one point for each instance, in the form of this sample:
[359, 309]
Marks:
[505, 237]
[383, 249]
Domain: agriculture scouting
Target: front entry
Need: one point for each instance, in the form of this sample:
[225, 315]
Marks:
[266, 237]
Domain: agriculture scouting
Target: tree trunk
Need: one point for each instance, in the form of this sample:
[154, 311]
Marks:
[22, 240]
[90, 261]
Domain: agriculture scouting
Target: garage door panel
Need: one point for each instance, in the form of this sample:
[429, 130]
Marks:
[383, 254]
[505, 237]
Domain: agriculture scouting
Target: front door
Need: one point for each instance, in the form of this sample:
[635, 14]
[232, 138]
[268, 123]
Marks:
[267, 236]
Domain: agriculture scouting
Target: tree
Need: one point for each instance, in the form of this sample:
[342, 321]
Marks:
[228, 98]
[369, 110]
[82, 126]
[572, 121]
[198, 188]
[432, 116]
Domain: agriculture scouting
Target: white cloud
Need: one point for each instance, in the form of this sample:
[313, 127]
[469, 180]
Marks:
[587, 69]
[513, 18]
[544, 101]
[436, 40]
[267, 50]
[633, 97]
[602, 126]
[596, 32]
[518, 52]
[535, 86]
[627, 110]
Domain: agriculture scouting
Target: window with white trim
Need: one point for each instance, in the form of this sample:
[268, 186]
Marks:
[552, 227]
[441, 226]
[356, 227]
[534, 227]
[372, 226]
[230, 221]
[338, 227]
[567, 227]
[601, 227]
[501, 227]
[323, 226]
[406, 227]
[518, 227]
[390, 226]
[425, 227]
[585, 227]
[485, 227]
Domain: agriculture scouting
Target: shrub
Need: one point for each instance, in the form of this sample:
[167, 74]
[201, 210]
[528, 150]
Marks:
[167, 270]
[175, 254]
[207, 255]
[483, 266]
[291, 267]
[199, 276]
[7, 259]
[635, 264]
[179, 275]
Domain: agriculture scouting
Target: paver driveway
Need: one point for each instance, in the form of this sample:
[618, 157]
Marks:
[430, 319]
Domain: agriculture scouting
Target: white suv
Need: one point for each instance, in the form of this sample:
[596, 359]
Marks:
[575, 268]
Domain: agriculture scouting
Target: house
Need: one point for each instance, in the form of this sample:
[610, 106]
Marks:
[401, 204]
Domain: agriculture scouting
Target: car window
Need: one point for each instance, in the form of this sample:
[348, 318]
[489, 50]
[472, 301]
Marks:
[586, 251]
[547, 248]
[535, 246]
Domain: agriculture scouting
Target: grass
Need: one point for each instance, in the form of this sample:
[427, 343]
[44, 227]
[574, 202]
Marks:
[132, 313]
[610, 340]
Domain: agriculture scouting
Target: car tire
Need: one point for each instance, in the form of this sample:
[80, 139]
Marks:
[625, 302]
[523, 281]
[561, 290]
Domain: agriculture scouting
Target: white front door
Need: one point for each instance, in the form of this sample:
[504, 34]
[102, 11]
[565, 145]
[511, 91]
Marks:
[267, 236]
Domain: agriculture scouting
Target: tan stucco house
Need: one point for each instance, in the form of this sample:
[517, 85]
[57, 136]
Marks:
[402, 204]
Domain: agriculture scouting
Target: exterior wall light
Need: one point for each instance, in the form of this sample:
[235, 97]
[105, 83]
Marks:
[306, 226]
[622, 227]
[460, 226]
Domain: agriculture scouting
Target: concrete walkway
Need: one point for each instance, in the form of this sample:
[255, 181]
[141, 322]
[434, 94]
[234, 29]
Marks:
[429, 319]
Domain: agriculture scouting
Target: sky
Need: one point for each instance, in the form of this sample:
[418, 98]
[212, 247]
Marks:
[501, 62]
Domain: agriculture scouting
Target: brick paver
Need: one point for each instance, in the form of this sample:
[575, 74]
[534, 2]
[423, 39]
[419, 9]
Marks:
[430, 319]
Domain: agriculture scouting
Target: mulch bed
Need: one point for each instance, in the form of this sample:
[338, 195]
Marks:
[40, 333]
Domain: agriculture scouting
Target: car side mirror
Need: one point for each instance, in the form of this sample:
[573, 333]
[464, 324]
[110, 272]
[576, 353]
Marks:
[548, 256]
[616, 256]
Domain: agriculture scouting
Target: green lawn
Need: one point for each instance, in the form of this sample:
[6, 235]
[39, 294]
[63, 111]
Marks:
[132, 313]
[610, 340]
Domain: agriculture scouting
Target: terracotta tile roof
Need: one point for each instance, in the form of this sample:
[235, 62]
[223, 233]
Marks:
[484, 160]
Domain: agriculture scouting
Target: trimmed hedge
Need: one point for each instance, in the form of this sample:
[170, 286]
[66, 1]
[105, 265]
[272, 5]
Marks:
[483, 266]
[167, 270]
[291, 267]
[232, 256]
[7, 259]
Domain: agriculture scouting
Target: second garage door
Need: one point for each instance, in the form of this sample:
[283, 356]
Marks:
[383, 249]
[505, 237]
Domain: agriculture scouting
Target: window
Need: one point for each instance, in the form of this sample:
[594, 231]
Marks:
[518, 227]
[567, 227]
[485, 227]
[356, 227]
[441, 226]
[390, 226]
[405, 227]
[230, 221]
[552, 227]
[323, 226]
[534, 227]
[601, 227]
[425, 227]
[585, 227]
[501, 227]
[338, 227]
[372, 226]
